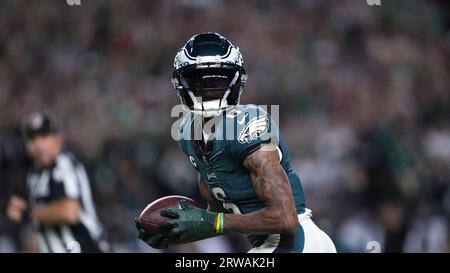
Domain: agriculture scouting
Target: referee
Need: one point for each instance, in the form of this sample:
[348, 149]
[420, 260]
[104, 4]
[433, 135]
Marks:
[59, 195]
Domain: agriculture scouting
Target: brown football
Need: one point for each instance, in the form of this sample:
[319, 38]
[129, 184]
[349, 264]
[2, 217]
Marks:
[150, 217]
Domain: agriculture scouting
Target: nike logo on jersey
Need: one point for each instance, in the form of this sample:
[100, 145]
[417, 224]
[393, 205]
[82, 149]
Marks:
[242, 119]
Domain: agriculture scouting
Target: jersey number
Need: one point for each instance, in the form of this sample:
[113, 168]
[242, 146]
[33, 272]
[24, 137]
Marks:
[220, 195]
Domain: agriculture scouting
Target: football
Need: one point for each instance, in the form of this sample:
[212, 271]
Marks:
[150, 217]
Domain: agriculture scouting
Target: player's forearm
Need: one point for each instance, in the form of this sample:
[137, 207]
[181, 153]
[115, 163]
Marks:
[272, 187]
[58, 212]
[268, 220]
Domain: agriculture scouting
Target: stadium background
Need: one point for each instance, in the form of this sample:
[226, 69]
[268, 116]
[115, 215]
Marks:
[364, 94]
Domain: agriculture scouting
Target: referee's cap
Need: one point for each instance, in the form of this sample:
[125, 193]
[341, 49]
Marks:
[39, 123]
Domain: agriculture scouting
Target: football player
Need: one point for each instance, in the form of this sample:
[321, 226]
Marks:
[243, 163]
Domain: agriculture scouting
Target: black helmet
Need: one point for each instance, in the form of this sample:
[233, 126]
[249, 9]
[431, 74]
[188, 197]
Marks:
[208, 64]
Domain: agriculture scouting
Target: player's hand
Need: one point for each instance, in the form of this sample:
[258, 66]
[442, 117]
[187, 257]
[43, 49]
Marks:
[189, 223]
[156, 241]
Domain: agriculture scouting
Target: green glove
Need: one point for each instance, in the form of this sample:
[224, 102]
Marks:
[155, 241]
[190, 223]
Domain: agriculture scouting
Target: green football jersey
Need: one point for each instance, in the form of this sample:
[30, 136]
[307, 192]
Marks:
[235, 134]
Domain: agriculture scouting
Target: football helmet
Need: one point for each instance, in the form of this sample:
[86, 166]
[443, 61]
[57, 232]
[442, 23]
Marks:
[208, 74]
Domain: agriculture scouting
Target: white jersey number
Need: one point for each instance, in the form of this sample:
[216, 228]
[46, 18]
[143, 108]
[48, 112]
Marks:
[220, 195]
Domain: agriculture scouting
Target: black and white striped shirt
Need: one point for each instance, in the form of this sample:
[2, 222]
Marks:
[65, 178]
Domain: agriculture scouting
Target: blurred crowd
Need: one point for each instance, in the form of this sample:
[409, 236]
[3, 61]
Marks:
[364, 96]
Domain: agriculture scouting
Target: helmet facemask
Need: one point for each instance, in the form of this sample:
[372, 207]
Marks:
[210, 90]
